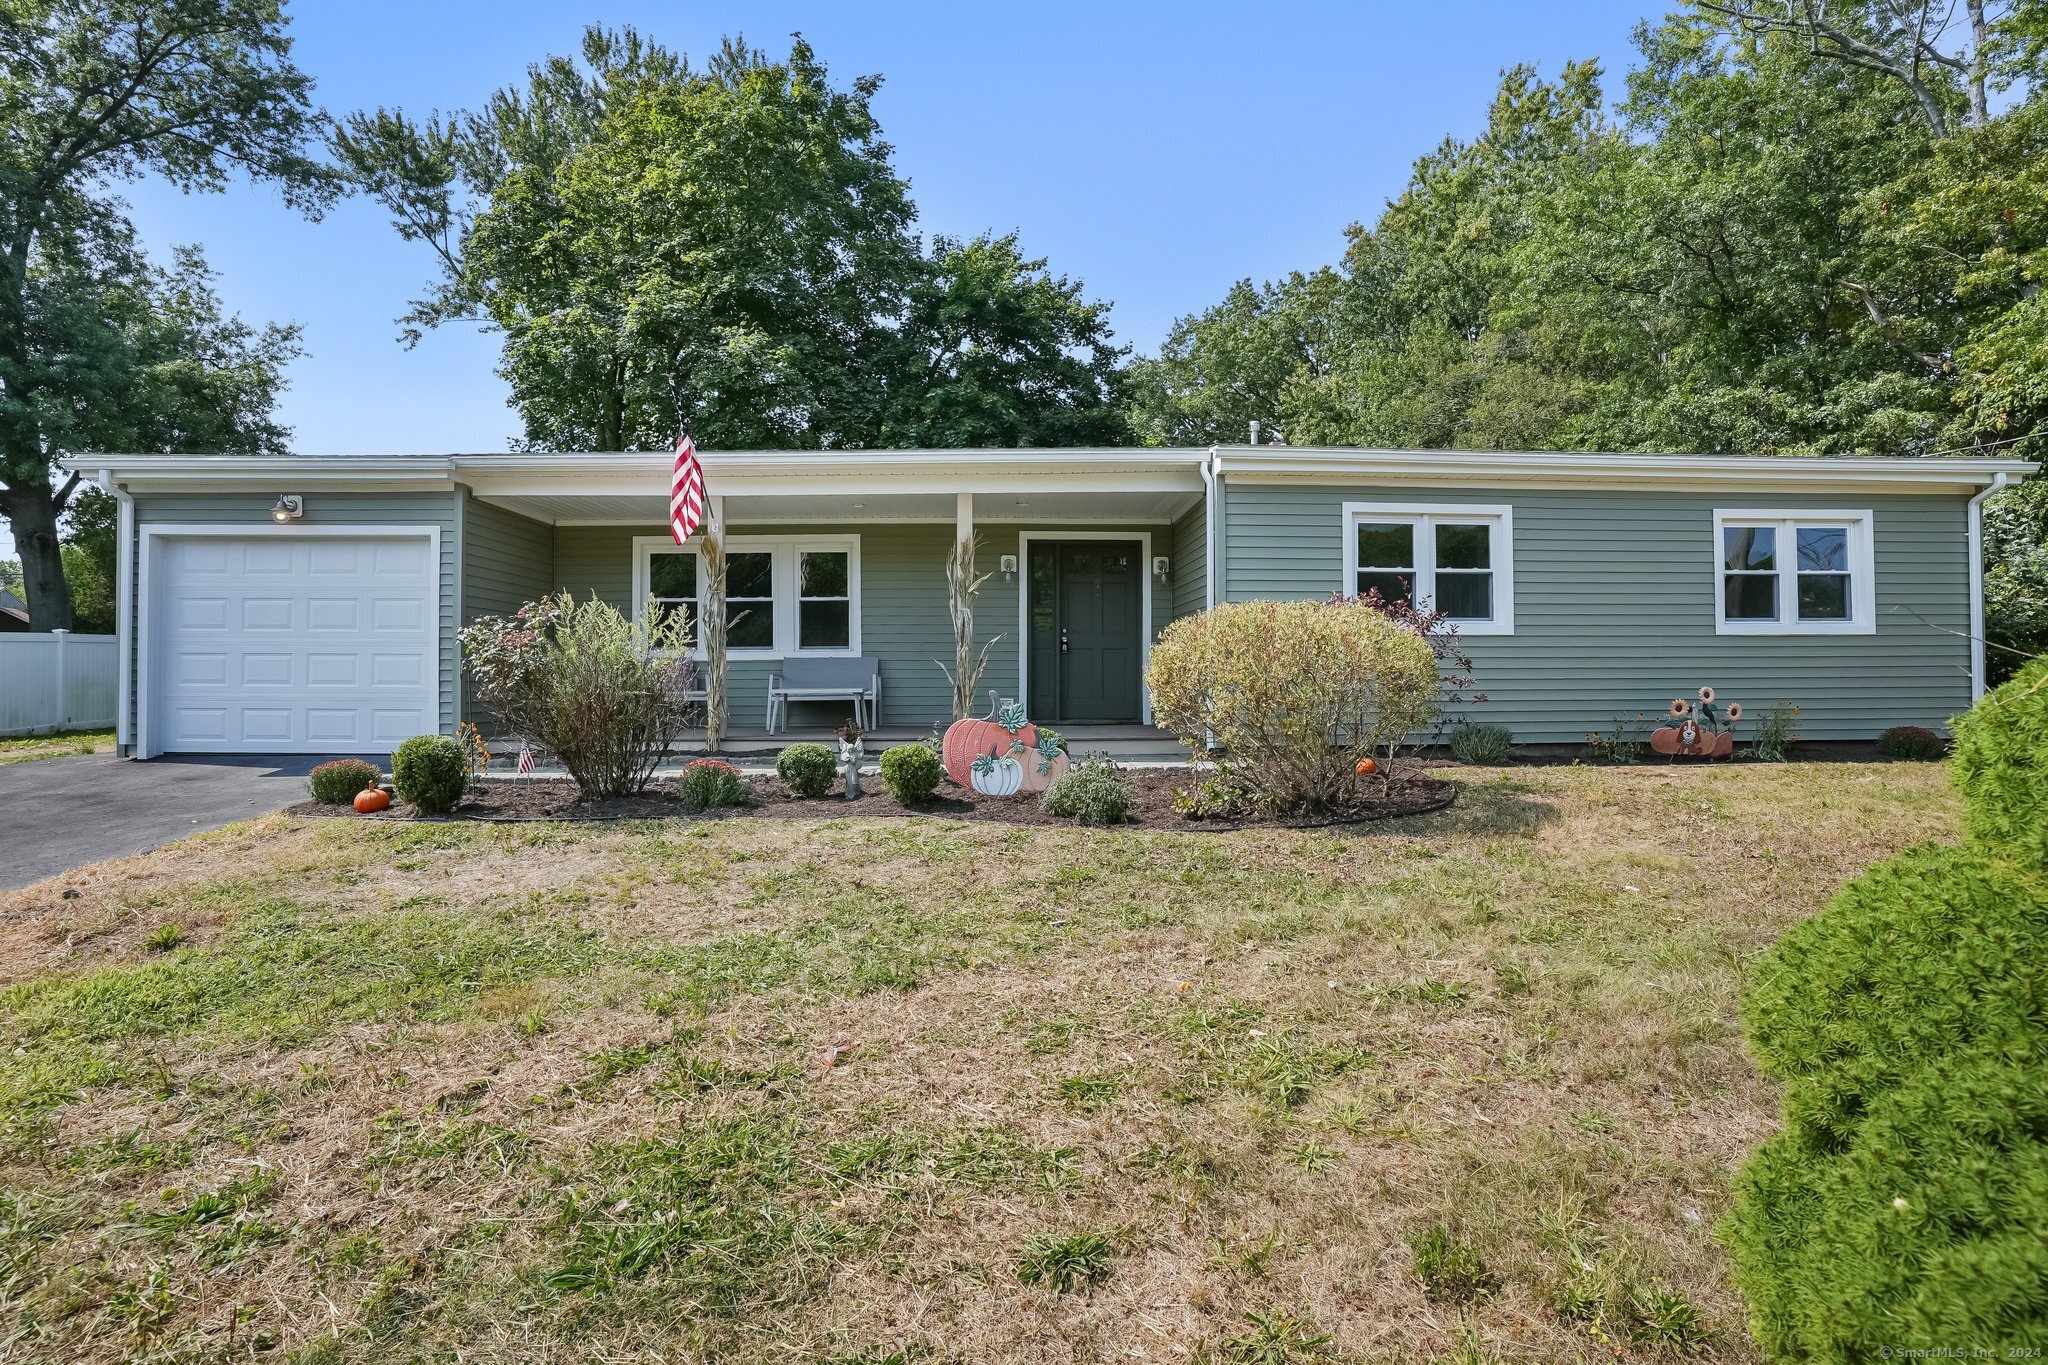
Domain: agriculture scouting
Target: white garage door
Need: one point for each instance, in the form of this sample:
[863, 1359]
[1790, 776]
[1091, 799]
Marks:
[292, 644]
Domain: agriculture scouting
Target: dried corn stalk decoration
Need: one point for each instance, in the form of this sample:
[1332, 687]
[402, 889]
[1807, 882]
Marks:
[712, 629]
[968, 662]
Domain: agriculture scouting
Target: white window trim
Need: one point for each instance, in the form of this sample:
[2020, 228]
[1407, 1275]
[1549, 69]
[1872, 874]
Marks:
[786, 549]
[1424, 517]
[1862, 570]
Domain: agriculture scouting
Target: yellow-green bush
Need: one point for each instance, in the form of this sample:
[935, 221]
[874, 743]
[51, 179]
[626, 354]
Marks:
[1903, 1205]
[1296, 693]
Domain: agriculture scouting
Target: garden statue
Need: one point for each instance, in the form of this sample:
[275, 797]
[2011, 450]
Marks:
[850, 755]
[1698, 730]
[979, 753]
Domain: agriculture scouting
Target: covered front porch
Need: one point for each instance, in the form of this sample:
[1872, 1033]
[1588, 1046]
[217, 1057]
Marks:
[1081, 558]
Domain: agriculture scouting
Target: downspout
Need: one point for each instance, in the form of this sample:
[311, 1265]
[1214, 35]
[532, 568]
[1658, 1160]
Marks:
[124, 610]
[1213, 545]
[1977, 668]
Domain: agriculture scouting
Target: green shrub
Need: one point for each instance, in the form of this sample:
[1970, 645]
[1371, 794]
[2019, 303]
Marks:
[1295, 692]
[430, 773]
[708, 783]
[1096, 792]
[604, 695]
[1903, 1202]
[807, 769]
[911, 772]
[336, 783]
[1910, 741]
[2001, 767]
[1481, 745]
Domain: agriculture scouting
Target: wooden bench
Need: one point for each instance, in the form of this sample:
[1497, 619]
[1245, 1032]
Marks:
[856, 680]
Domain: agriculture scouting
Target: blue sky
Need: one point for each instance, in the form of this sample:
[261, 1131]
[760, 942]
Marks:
[1156, 151]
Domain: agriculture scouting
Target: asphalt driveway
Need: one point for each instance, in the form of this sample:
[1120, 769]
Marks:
[64, 812]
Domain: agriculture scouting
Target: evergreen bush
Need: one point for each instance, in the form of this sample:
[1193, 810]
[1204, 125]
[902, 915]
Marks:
[911, 772]
[1902, 1205]
[807, 769]
[430, 773]
[2000, 765]
[336, 783]
[1910, 741]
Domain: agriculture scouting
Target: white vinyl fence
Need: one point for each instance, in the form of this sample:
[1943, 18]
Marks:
[56, 681]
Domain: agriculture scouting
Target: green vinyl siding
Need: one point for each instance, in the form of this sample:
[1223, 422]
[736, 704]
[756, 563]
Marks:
[507, 561]
[905, 623]
[1615, 604]
[1190, 562]
[329, 507]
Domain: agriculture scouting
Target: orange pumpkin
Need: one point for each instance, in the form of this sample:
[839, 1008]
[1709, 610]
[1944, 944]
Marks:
[1367, 766]
[1003, 729]
[371, 799]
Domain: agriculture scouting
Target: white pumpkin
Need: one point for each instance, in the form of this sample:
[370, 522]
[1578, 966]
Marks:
[995, 776]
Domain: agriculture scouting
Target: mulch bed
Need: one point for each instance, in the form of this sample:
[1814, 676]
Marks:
[1408, 791]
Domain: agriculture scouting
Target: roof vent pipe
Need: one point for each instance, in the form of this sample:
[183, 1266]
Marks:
[1255, 432]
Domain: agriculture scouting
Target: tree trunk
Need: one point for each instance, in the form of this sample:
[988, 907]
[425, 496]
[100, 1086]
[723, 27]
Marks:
[1980, 104]
[32, 517]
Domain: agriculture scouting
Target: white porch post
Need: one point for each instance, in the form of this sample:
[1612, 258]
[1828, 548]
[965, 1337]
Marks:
[711, 622]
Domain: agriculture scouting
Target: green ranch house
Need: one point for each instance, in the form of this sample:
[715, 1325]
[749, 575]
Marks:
[310, 603]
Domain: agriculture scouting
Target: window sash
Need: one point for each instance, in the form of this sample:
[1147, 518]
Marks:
[1426, 571]
[769, 625]
[1819, 583]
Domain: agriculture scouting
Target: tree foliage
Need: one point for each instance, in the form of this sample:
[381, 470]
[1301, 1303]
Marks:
[730, 247]
[99, 348]
[1769, 245]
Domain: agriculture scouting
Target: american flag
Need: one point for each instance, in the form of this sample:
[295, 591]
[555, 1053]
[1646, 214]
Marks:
[686, 492]
[525, 758]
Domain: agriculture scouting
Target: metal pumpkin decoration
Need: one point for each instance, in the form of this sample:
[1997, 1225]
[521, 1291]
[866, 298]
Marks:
[979, 752]
[994, 775]
[1702, 729]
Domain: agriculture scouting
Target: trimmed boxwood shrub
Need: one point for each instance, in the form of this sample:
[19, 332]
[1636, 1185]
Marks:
[1096, 792]
[807, 769]
[2000, 766]
[336, 783]
[1483, 746]
[911, 772]
[1903, 1203]
[430, 773]
[1910, 741]
[708, 783]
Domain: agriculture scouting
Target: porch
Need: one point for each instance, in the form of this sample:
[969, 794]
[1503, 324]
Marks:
[1083, 558]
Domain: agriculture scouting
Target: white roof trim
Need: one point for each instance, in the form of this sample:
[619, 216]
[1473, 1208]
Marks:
[743, 472]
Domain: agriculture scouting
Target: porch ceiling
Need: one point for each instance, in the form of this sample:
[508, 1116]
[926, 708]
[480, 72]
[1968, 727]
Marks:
[1032, 506]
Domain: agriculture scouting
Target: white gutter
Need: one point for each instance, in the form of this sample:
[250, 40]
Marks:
[124, 605]
[1211, 550]
[1977, 665]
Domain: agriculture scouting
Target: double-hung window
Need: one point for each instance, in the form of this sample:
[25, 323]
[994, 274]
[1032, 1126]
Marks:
[1794, 573]
[783, 596]
[1451, 558]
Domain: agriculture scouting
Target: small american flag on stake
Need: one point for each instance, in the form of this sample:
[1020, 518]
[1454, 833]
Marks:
[525, 758]
[686, 491]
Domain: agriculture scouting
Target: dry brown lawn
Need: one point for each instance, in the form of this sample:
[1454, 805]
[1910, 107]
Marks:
[1466, 1087]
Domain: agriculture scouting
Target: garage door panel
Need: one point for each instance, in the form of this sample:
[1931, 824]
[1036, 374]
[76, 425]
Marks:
[320, 644]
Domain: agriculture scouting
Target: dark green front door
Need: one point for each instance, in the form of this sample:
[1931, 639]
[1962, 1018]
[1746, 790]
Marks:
[1087, 631]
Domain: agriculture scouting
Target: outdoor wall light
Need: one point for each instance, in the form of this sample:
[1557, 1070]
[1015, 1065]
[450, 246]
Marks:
[290, 507]
[1162, 568]
[1009, 568]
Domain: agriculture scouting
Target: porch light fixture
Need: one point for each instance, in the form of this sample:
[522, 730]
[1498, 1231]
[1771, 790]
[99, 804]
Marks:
[1162, 568]
[1009, 568]
[290, 507]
